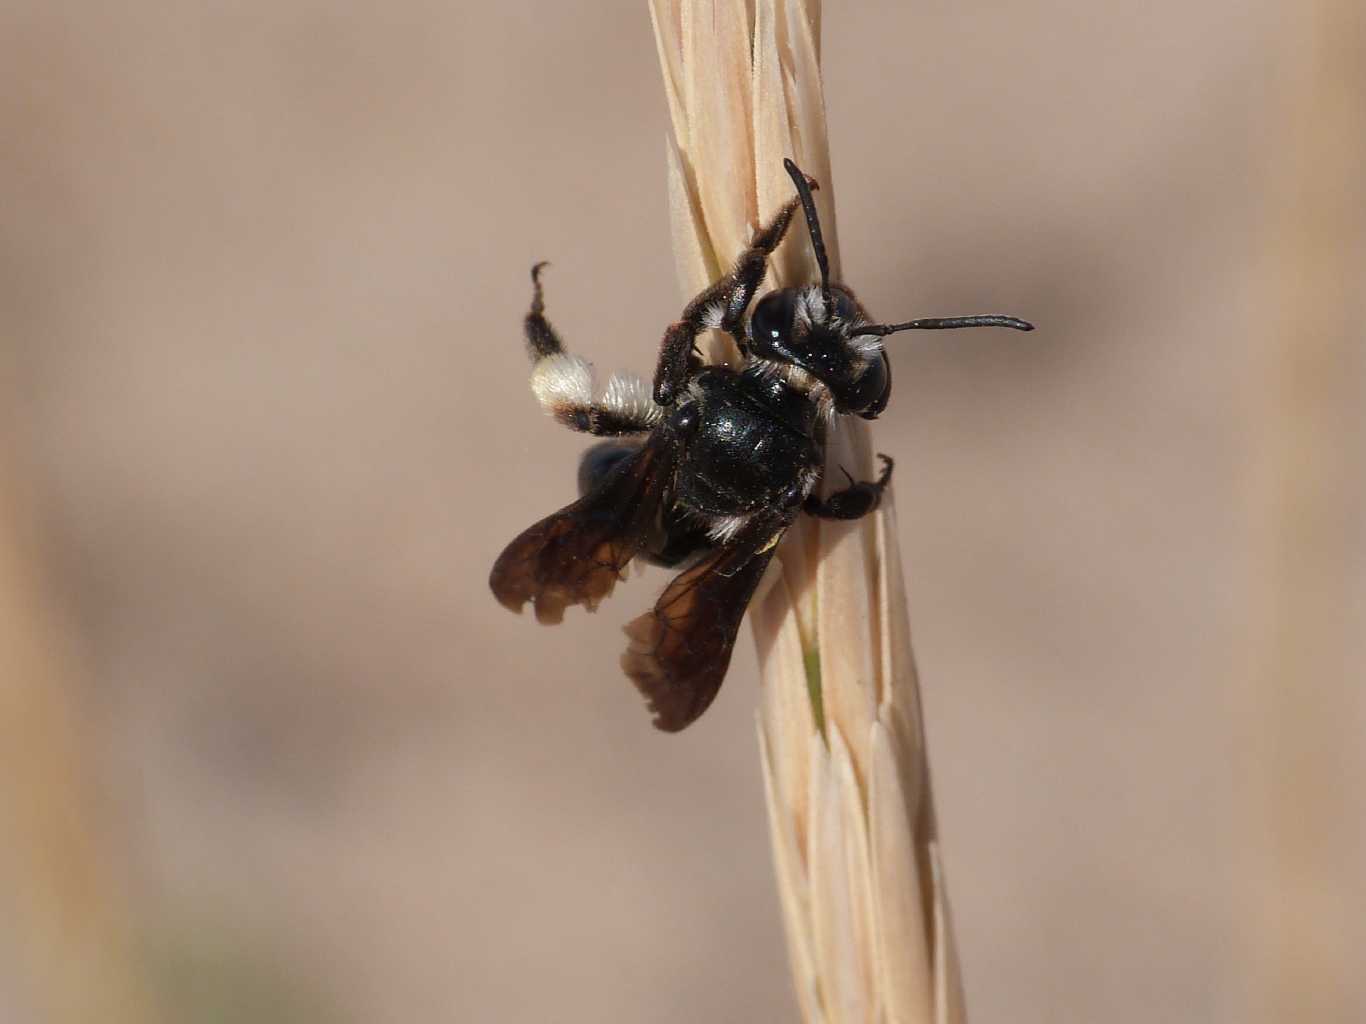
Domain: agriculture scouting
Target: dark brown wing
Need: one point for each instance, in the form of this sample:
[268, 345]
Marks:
[577, 555]
[680, 649]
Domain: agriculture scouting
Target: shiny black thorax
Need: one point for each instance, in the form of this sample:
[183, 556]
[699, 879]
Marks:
[746, 438]
[754, 437]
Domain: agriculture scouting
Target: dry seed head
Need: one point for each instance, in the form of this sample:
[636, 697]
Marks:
[840, 733]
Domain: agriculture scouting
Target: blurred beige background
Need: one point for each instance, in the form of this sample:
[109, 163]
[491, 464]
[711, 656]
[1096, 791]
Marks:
[262, 269]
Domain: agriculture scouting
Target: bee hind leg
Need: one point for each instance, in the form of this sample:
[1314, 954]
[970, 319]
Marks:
[563, 383]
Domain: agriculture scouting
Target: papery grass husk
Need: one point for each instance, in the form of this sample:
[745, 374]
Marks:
[840, 733]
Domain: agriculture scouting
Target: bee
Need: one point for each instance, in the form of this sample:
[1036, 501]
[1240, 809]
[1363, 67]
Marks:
[710, 465]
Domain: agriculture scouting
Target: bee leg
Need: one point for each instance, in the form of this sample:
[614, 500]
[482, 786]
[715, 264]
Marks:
[721, 306]
[563, 383]
[541, 340]
[854, 501]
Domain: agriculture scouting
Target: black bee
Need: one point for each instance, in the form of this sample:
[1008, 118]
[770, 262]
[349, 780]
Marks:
[728, 460]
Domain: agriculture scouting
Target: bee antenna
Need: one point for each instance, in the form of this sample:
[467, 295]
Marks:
[813, 225]
[945, 323]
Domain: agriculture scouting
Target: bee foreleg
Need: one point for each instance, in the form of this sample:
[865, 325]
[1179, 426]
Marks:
[722, 306]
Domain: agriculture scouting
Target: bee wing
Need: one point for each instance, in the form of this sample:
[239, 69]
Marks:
[679, 650]
[577, 555]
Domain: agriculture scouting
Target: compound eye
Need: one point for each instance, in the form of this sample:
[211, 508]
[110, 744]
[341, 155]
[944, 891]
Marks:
[874, 388]
[844, 306]
[771, 325]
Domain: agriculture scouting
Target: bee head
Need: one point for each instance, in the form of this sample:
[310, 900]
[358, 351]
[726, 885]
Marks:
[823, 330]
[801, 327]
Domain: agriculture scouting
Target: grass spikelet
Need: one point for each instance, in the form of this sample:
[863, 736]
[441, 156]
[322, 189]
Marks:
[840, 733]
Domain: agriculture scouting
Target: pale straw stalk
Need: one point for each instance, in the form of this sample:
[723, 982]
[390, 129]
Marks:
[840, 731]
